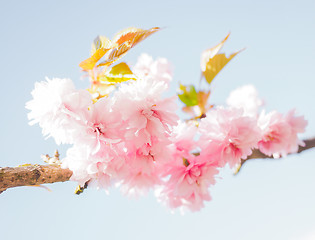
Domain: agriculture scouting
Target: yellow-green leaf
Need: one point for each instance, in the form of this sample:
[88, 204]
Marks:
[124, 41]
[203, 101]
[89, 63]
[100, 42]
[105, 81]
[118, 47]
[199, 110]
[121, 68]
[210, 53]
[100, 47]
[215, 65]
[188, 95]
[118, 73]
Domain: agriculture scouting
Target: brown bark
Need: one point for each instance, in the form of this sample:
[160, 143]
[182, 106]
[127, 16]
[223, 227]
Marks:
[309, 143]
[30, 175]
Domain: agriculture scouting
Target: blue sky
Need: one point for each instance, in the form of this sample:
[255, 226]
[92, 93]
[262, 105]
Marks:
[269, 199]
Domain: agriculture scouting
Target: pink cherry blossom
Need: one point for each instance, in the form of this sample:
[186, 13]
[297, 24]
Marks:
[148, 121]
[150, 70]
[145, 112]
[184, 137]
[142, 174]
[144, 165]
[280, 133]
[187, 175]
[229, 132]
[100, 126]
[56, 106]
[85, 167]
[189, 182]
[246, 98]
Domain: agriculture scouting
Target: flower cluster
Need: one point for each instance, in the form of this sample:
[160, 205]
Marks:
[133, 138]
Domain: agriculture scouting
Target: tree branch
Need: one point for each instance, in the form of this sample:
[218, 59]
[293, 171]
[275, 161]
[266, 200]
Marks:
[30, 175]
[309, 143]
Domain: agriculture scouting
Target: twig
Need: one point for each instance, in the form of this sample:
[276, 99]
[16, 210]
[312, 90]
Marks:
[309, 143]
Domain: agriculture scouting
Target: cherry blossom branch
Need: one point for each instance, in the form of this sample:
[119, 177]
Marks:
[31, 175]
[309, 143]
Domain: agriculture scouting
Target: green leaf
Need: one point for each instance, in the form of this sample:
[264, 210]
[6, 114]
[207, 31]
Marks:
[188, 95]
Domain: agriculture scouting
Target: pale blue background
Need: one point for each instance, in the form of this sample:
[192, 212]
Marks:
[269, 199]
